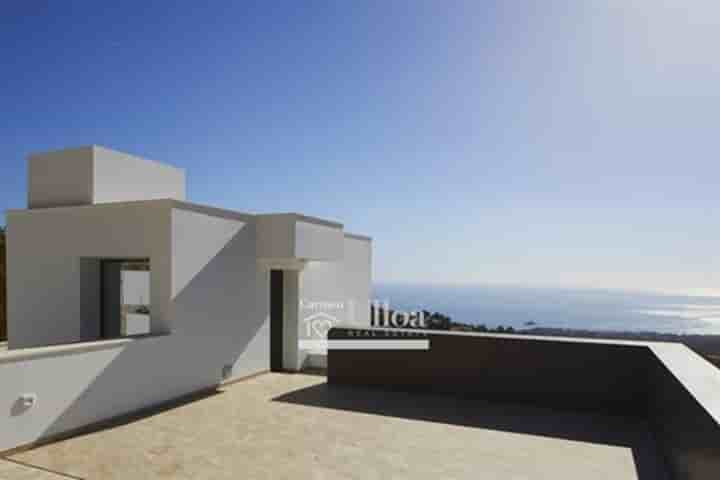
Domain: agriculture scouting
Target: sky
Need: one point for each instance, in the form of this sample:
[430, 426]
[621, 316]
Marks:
[557, 143]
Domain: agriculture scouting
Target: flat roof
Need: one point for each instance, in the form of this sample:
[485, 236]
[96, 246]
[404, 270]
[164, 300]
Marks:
[195, 207]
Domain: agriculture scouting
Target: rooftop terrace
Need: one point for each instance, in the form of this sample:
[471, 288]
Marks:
[297, 426]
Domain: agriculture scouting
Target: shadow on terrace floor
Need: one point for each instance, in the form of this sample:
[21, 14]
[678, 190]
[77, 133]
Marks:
[129, 418]
[471, 412]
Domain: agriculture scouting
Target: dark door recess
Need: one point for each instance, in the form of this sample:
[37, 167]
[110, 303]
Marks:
[276, 320]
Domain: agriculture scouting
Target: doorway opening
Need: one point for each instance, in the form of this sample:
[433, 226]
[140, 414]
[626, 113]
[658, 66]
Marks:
[277, 319]
[124, 298]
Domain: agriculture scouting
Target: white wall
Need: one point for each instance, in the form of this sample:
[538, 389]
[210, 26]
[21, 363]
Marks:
[93, 174]
[289, 236]
[220, 297]
[291, 291]
[314, 241]
[276, 236]
[90, 302]
[78, 389]
[46, 253]
[135, 287]
[340, 290]
[61, 178]
[218, 311]
[120, 177]
[357, 268]
[136, 324]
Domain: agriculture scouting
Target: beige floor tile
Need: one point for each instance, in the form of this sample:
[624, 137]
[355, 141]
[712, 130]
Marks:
[282, 426]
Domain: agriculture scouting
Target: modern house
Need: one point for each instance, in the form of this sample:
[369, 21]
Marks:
[122, 295]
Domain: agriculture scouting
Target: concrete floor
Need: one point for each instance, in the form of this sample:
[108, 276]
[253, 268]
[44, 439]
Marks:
[283, 426]
[14, 471]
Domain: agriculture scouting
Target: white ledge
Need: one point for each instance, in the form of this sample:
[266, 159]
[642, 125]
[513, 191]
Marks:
[21, 354]
[697, 375]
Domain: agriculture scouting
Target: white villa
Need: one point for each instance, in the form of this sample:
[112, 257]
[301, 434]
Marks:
[123, 295]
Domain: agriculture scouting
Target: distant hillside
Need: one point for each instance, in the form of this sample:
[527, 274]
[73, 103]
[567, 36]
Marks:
[3, 291]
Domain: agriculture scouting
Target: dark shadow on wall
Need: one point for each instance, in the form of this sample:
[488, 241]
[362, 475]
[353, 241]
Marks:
[210, 331]
[471, 412]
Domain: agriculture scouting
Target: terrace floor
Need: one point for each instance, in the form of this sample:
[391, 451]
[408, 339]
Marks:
[278, 426]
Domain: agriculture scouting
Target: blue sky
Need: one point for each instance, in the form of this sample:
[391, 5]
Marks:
[535, 143]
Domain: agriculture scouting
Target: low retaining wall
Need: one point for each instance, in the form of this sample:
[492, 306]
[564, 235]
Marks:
[617, 377]
[79, 386]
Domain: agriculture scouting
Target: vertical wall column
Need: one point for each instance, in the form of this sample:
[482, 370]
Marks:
[291, 307]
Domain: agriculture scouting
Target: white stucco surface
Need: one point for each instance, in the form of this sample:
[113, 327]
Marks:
[289, 236]
[48, 268]
[333, 293]
[61, 178]
[120, 177]
[357, 272]
[135, 287]
[94, 174]
[136, 324]
[275, 236]
[291, 320]
[220, 297]
[315, 241]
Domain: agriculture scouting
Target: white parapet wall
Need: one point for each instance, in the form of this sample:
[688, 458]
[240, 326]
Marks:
[78, 385]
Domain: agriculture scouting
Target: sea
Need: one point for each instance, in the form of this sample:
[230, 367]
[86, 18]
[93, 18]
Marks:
[583, 309]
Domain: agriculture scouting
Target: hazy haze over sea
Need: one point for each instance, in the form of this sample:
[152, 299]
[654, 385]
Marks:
[559, 308]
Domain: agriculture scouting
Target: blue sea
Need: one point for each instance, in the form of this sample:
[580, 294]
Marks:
[521, 307]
